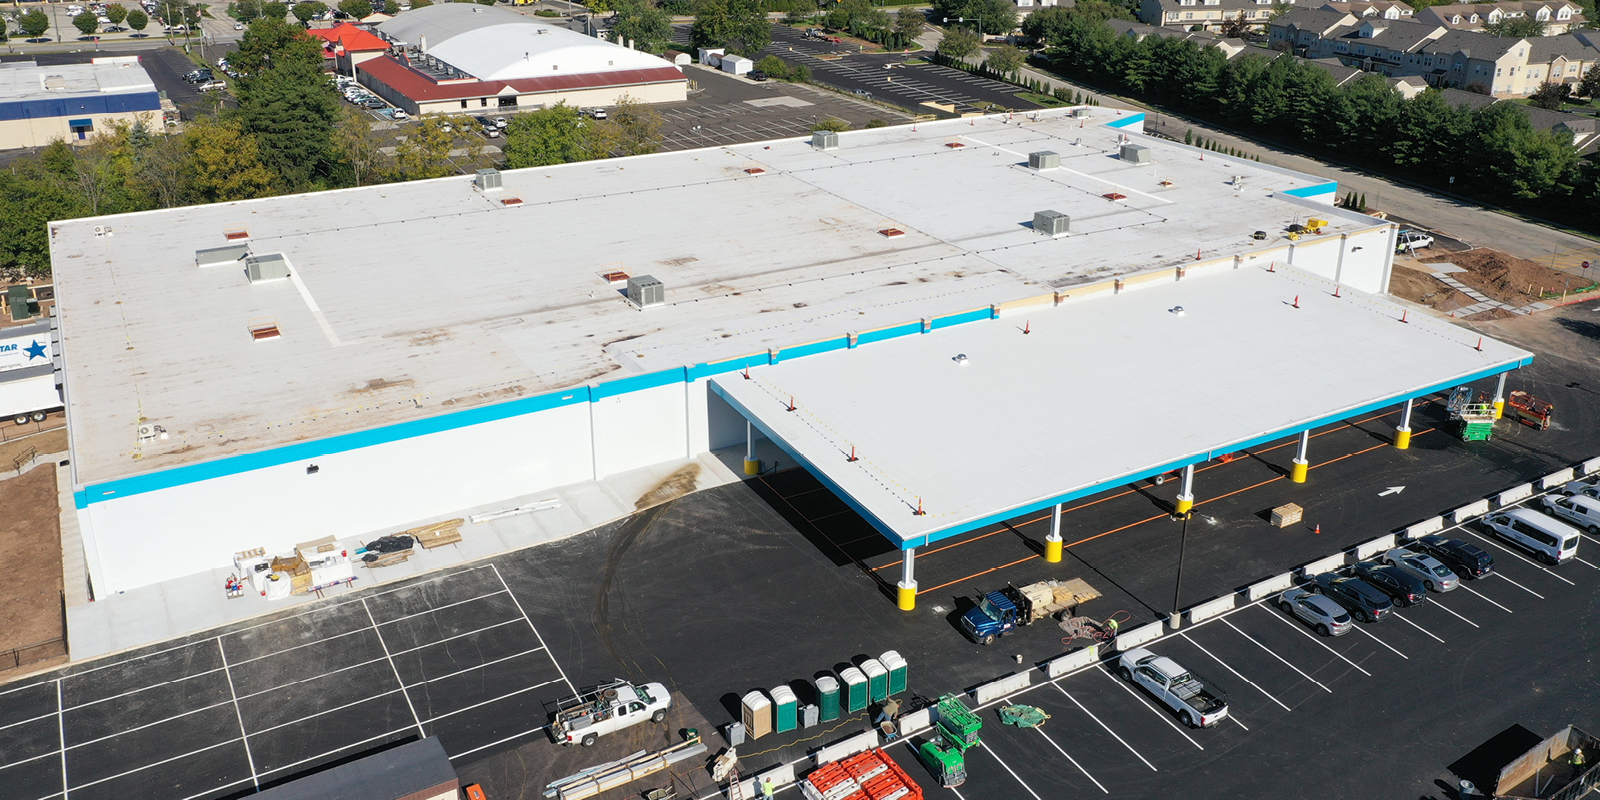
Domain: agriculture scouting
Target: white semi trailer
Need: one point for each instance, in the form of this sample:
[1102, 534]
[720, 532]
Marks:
[28, 389]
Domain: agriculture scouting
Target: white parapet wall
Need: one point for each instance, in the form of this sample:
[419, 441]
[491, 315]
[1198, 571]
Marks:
[1514, 494]
[915, 721]
[1133, 638]
[1322, 565]
[844, 748]
[1211, 608]
[1469, 511]
[1425, 527]
[1591, 466]
[994, 690]
[1270, 586]
[1077, 659]
[1555, 479]
[1367, 550]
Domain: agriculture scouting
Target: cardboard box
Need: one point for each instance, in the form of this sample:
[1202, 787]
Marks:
[1285, 515]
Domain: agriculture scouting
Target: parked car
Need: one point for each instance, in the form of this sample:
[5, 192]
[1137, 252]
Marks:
[1433, 574]
[500, 122]
[400, 114]
[1580, 510]
[212, 86]
[1403, 588]
[1548, 539]
[1360, 598]
[374, 103]
[1412, 240]
[1588, 487]
[238, 26]
[1467, 561]
[1194, 699]
[757, 75]
[597, 113]
[1328, 617]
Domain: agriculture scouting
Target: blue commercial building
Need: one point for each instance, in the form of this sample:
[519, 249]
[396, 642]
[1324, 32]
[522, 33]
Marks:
[39, 104]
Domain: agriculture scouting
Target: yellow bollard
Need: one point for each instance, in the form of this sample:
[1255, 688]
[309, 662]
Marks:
[1052, 551]
[752, 467]
[1185, 505]
[906, 597]
[1402, 439]
[1499, 408]
[1297, 472]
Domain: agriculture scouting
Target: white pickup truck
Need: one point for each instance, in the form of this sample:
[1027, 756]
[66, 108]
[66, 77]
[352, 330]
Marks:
[1199, 705]
[595, 712]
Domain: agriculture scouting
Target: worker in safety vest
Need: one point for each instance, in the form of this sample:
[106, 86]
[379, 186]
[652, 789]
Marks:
[766, 788]
[1111, 625]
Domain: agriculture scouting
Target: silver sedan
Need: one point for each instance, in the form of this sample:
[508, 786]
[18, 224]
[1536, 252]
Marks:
[1328, 617]
[1434, 575]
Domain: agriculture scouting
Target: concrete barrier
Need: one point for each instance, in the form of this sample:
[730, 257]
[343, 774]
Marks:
[1056, 667]
[781, 776]
[1424, 528]
[1514, 494]
[1469, 511]
[1270, 586]
[1133, 638]
[844, 748]
[1367, 550]
[1322, 565]
[915, 721]
[995, 690]
[1555, 479]
[1211, 608]
[1591, 466]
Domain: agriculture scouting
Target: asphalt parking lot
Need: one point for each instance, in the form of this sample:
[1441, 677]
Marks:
[757, 584]
[728, 110]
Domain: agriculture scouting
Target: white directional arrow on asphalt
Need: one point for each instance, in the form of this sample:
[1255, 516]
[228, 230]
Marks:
[1391, 490]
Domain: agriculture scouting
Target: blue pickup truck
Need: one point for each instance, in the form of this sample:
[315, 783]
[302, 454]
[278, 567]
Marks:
[1003, 611]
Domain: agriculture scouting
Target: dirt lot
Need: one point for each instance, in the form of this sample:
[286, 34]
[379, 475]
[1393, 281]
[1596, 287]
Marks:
[1422, 288]
[30, 549]
[1511, 280]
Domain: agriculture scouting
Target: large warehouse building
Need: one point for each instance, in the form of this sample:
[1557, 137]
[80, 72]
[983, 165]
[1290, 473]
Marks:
[72, 102]
[881, 292]
[468, 58]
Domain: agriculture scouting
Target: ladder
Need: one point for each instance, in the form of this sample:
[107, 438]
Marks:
[735, 789]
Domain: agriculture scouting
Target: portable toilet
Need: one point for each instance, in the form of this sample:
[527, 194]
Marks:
[878, 678]
[897, 671]
[828, 697]
[855, 689]
[757, 715]
[784, 705]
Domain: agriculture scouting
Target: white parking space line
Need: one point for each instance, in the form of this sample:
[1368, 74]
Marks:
[520, 735]
[535, 629]
[1590, 538]
[398, 681]
[377, 660]
[298, 646]
[1146, 704]
[432, 610]
[1446, 609]
[325, 712]
[337, 750]
[239, 715]
[1269, 652]
[1419, 627]
[141, 688]
[492, 700]
[1585, 563]
[1234, 671]
[1487, 600]
[1064, 753]
[26, 721]
[151, 764]
[4, 692]
[1104, 725]
[1380, 641]
[511, 621]
[135, 728]
[50, 754]
[1236, 719]
[61, 738]
[1520, 557]
[996, 757]
[449, 675]
[1519, 586]
[212, 790]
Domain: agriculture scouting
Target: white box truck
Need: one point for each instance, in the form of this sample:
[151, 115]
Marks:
[27, 373]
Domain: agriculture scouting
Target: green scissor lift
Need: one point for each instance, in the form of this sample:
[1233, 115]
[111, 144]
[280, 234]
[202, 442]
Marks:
[956, 732]
[1477, 419]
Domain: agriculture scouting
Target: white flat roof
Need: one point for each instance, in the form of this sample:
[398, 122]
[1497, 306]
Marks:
[413, 300]
[1098, 392]
[498, 44]
[33, 82]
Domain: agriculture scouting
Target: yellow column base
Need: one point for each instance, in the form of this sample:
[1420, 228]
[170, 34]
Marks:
[752, 467]
[1185, 505]
[906, 596]
[1052, 551]
[1297, 471]
[1402, 438]
[1499, 408]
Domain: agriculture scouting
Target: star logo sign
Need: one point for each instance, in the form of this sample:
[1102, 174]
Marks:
[35, 350]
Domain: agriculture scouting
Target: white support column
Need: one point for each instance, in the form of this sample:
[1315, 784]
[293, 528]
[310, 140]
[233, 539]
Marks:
[1297, 472]
[907, 589]
[1052, 543]
[1500, 397]
[751, 465]
[1186, 491]
[1402, 433]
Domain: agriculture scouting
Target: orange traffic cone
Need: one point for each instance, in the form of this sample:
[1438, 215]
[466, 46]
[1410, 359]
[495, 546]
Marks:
[1317, 530]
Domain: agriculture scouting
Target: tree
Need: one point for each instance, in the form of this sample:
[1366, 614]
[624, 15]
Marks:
[34, 23]
[631, 129]
[1236, 28]
[1005, 59]
[116, 13]
[274, 10]
[908, 25]
[424, 152]
[415, 4]
[1523, 27]
[958, 44]
[1279, 8]
[1590, 85]
[360, 9]
[246, 10]
[739, 25]
[1550, 95]
[137, 19]
[831, 124]
[643, 23]
[554, 135]
[391, 7]
[225, 162]
[1048, 26]
[286, 102]
[996, 16]
[307, 11]
[774, 67]
[360, 148]
[86, 23]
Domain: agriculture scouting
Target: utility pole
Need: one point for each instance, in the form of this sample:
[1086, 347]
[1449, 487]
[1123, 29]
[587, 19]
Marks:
[1183, 541]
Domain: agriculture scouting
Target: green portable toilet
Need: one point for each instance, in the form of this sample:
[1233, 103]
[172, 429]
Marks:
[877, 679]
[897, 671]
[855, 689]
[784, 704]
[828, 697]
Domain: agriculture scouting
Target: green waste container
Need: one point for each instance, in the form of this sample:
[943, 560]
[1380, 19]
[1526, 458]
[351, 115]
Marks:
[855, 690]
[877, 679]
[828, 697]
[784, 705]
[897, 671]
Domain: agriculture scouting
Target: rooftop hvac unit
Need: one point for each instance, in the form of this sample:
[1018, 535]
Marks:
[1137, 153]
[646, 291]
[266, 268]
[221, 256]
[1080, 112]
[1044, 159]
[1051, 223]
[488, 180]
[825, 140]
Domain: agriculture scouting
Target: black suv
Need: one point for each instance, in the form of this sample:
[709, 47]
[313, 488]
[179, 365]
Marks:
[198, 76]
[1466, 560]
[1404, 589]
[1363, 599]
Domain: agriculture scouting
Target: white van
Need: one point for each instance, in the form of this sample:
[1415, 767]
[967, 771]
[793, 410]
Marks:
[1580, 510]
[1550, 540]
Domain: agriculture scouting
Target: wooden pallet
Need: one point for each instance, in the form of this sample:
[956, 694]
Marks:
[439, 538]
[388, 559]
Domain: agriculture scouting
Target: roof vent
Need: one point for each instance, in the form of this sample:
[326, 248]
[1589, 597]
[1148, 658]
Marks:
[55, 82]
[149, 433]
[270, 267]
[1051, 223]
[825, 140]
[1044, 159]
[488, 180]
[544, 31]
[221, 256]
[1138, 154]
[645, 291]
[1080, 112]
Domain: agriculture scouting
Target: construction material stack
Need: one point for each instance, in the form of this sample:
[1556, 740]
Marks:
[871, 775]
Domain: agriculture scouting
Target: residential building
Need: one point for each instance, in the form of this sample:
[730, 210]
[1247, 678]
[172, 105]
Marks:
[1204, 15]
[348, 45]
[39, 104]
[1558, 16]
[1137, 31]
[1388, 9]
[1303, 27]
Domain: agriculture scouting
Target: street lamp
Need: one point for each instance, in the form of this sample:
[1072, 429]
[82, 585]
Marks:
[1183, 540]
[980, 25]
